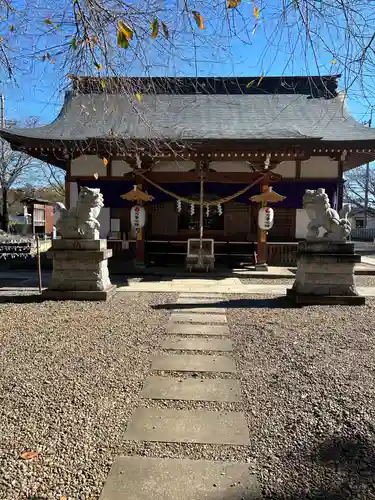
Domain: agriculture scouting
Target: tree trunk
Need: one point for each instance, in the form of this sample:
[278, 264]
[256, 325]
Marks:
[5, 214]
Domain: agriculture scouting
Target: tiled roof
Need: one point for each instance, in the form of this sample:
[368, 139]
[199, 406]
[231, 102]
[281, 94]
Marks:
[255, 115]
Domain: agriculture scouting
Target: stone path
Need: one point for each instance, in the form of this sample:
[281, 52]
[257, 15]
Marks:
[145, 478]
[226, 285]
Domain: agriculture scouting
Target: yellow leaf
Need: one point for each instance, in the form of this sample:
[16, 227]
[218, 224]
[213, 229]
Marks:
[96, 176]
[47, 21]
[139, 97]
[233, 3]
[198, 19]
[98, 66]
[28, 455]
[250, 84]
[256, 12]
[105, 161]
[333, 61]
[12, 28]
[260, 80]
[122, 41]
[155, 28]
[126, 30]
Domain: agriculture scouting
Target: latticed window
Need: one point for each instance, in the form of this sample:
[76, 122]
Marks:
[157, 207]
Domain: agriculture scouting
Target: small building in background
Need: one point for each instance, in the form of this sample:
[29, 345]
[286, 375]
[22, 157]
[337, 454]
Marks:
[357, 218]
[38, 216]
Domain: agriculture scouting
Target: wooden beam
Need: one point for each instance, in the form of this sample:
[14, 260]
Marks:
[219, 177]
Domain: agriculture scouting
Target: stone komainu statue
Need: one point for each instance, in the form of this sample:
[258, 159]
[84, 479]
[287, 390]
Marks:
[80, 222]
[318, 208]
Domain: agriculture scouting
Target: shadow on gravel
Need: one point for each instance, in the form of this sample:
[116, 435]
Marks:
[347, 469]
[266, 303]
[21, 299]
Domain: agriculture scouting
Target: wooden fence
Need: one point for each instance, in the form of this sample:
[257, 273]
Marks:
[282, 254]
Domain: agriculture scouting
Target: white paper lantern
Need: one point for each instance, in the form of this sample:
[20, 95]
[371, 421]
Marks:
[220, 209]
[207, 210]
[192, 209]
[179, 206]
[265, 218]
[138, 217]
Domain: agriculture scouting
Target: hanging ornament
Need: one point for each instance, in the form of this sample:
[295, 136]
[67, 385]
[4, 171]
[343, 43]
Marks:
[192, 209]
[179, 206]
[207, 210]
[220, 209]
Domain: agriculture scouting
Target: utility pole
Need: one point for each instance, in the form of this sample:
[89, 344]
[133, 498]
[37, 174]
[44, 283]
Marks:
[367, 180]
[2, 111]
[5, 216]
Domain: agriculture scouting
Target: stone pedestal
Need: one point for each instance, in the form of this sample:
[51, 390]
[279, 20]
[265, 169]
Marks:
[80, 270]
[325, 274]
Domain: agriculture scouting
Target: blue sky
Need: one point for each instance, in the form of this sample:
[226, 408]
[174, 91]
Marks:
[39, 88]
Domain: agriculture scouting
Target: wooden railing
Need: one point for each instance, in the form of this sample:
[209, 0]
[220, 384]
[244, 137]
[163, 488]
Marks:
[282, 254]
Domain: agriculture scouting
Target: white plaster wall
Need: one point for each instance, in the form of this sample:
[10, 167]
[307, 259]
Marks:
[302, 220]
[319, 167]
[173, 166]
[286, 168]
[230, 166]
[105, 222]
[87, 165]
[73, 190]
[120, 168]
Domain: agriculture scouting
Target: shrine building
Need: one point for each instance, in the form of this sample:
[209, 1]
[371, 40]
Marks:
[232, 137]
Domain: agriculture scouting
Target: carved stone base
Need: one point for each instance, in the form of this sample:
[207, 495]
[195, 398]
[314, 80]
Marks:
[301, 299]
[325, 274]
[80, 270]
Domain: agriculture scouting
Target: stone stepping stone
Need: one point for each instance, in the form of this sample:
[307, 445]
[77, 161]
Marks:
[145, 478]
[198, 344]
[186, 329]
[197, 318]
[192, 389]
[199, 310]
[202, 295]
[185, 426]
[194, 363]
[197, 300]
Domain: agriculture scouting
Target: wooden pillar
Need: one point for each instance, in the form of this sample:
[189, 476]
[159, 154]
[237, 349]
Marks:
[67, 184]
[340, 189]
[140, 239]
[261, 264]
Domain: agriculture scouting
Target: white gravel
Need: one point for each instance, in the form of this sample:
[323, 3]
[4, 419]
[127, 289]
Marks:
[308, 377]
[71, 374]
[360, 281]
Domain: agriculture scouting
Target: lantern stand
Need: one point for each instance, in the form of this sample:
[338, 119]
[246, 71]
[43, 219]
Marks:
[201, 220]
[140, 197]
[267, 196]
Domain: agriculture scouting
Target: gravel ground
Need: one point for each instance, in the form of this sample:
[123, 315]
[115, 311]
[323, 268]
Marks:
[70, 379]
[72, 374]
[360, 280]
[308, 378]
